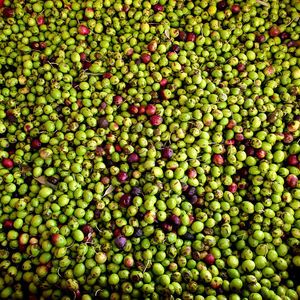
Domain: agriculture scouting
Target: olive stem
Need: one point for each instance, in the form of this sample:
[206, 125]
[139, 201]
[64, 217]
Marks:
[263, 3]
[146, 266]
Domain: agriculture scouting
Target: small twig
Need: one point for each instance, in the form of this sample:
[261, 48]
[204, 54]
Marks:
[146, 266]
[263, 3]
[99, 290]
[58, 272]
[94, 74]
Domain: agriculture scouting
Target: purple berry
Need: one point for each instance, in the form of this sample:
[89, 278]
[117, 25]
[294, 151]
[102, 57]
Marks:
[132, 158]
[122, 177]
[136, 191]
[125, 200]
[175, 48]
[102, 123]
[167, 152]
[175, 220]
[120, 241]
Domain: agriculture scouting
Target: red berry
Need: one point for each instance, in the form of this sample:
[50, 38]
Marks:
[146, 58]
[126, 8]
[293, 160]
[288, 138]
[274, 31]
[125, 200]
[158, 7]
[7, 163]
[122, 177]
[250, 151]
[150, 109]
[156, 120]
[163, 82]
[142, 109]
[78, 294]
[209, 259]
[239, 137]
[175, 48]
[292, 180]
[133, 109]
[231, 124]
[191, 37]
[232, 188]
[83, 30]
[192, 219]
[235, 9]
[86, 229]
[40, 20]
[218, 159]
[229, 142]
[192, 173]
[8, 224]
[182, 36]
[241, 67]
[152, 46]
[261, 153]
[118, 100]
[128, 262]
[35, 46]
[43, 45]
[107, 75]
[8, 12]
[118, 148]
[83, 57]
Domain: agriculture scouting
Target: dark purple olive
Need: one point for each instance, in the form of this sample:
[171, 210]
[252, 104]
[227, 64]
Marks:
[125, 201]
[243, 172]
[120, 241]
[175, 48]
[132, 158]
[8, 12]
[247, 142]
[139, 215]
[188, 236]
[261, 38]
[103, 123]
[166, 227]
[136, 191]
[52, 180]
[35, 46]
[122, 177]
[175, 220]
[222, 5]
[250, 151]
[86, 229]
[194, 199]
[138, 232]
[182, 36]
[191, 191]
[167, 152]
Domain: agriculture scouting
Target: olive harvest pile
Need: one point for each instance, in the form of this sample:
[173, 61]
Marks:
[149, 149]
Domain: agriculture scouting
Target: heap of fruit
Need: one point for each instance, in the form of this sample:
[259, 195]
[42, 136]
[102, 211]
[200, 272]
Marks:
[149, 149]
